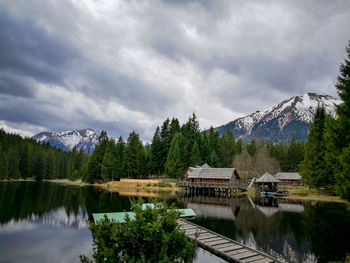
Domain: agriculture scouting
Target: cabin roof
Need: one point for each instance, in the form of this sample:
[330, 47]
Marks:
[203, 166]
[267, 178]
[288, 176]
[212, 173]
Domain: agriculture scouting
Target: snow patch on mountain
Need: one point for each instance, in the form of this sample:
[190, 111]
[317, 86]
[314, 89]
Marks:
[85, 139]
[292, 113]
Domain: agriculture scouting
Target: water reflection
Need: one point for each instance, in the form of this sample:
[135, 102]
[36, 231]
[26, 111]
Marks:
[51, 220]
[291, 231]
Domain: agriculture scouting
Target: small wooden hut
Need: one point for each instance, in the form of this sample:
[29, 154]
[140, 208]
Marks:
[266, 183]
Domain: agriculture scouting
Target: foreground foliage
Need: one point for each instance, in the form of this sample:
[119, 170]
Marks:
[153, 236]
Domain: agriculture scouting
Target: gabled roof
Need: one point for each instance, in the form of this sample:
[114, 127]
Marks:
[203, 166]
[212, 173]
[288, 176]
[267, 178]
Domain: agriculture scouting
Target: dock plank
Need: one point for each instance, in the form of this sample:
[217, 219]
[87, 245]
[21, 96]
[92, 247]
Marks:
[246, 255]
[223, 247]
[249, 260]
[264, 260]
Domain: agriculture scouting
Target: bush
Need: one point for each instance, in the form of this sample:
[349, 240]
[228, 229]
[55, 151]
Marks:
[153, 236]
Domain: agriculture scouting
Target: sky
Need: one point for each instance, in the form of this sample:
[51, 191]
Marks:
[128, 65]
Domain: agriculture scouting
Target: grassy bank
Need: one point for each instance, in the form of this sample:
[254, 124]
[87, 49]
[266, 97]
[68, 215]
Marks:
[313, 195]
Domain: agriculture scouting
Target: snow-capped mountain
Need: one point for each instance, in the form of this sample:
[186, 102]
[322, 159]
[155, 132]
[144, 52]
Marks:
[279, 123]
[83, 139]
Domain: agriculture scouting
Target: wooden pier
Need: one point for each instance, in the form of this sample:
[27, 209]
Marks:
[211, 189]
[223, 247]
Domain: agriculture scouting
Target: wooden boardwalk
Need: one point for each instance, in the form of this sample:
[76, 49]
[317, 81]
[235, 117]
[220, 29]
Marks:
[223, 247]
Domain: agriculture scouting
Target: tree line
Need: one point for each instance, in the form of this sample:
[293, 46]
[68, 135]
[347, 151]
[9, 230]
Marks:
[327, 149]
[26, 158]
[173, 149]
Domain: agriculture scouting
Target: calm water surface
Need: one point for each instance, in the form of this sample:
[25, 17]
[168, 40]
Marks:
[48, 222]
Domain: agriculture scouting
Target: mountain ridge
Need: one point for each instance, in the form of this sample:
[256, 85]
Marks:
[280, 122]
[85, 139]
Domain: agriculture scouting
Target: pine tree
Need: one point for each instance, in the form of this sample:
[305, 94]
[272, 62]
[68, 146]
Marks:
[134, 156]
[95, 163]
[13, 162]
[3, 164]
[313, 167]
[251, 148]
[156, 153]
[195, 155]
[341, 134]
[175, 165]
[24, 162]
[119, 153]
[227, 149]
[108, 167]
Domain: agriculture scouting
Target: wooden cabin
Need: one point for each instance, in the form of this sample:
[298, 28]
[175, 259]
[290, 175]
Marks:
[206, 174]
[289, 178]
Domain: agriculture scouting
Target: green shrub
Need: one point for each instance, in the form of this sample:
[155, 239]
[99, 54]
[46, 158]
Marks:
[153, 236]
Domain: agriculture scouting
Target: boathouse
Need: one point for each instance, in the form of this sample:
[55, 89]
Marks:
[206, 174]
[289, 178]
[266, 183]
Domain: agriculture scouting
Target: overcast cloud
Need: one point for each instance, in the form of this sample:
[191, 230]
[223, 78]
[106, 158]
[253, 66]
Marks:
[128, 65]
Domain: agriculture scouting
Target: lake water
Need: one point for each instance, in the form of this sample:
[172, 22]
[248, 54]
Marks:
[48, 222]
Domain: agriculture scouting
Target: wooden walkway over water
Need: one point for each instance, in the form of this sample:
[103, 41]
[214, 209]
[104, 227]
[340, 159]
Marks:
[223, 247]
[211, 189]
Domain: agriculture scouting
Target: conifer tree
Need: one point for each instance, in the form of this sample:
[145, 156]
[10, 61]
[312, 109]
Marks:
[195, 155]
[156, 153]
[227, 149]
[13, 162]
[119, 153]
[251, 148]
[95, 163]
[133, 155]
[340, 135]
[3, 164]
[108, 168]
[313, 167]
[175, 165]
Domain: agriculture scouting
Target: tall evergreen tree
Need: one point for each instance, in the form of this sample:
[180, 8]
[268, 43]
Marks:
[13, 162]
[156, 153]
[133, 155]
[3, 164]
[313, 167]
[175, 165]
[227, 149]
[108, 167]
[120, 155]
[95, 163]
[195, 155]
[339, 136]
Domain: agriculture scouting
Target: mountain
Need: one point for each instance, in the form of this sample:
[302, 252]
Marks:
[83, 139]
[279, 123]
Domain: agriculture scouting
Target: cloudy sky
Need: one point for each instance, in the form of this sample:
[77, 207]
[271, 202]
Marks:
[128, 65]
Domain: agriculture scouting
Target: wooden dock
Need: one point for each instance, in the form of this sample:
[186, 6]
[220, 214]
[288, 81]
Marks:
[223, 247]
[211, 189]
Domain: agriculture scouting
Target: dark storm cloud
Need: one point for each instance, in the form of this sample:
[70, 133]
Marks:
[28, 50]
[15, 86]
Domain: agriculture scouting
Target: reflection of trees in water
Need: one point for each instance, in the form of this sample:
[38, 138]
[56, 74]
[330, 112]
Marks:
[20, 200]
[298, 231]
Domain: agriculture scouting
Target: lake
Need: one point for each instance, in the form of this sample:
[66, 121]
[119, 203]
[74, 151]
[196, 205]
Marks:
[48, 222]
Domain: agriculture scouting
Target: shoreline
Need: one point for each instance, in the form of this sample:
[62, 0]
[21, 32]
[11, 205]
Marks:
[157, 187]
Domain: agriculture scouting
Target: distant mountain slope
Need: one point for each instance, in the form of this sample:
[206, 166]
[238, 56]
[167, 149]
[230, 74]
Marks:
[279, 123]
[83, 139]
